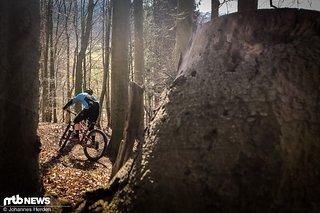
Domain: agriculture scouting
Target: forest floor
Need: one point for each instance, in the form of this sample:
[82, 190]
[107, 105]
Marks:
[68, 176]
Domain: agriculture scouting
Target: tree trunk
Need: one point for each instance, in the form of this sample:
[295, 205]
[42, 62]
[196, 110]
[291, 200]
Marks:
[120, 73]
[244, 5]
[138, 43]
[184, 27]
[51, 63]
[45, 83]
[215, 4]
[106, 59]
[133, 128]
[138, 53]
[239, 128]
[19, 80]
[67, 12]
[82, 53]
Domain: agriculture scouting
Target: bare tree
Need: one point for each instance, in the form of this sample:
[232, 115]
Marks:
[120, 72]
[107, 9]
[46, 116]
[82, 52]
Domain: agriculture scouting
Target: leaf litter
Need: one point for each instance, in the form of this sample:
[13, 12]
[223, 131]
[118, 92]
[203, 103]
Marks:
[68, 177]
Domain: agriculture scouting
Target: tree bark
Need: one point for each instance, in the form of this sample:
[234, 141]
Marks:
[244, 5]
[81, 54]
[215, 4]
[46, 117]
[239, 128]
[184, 27]
[67, 11]
[139, 53]
[132, 129]
[106, 59]
[19, 82]
[120, 73]
[51, 62]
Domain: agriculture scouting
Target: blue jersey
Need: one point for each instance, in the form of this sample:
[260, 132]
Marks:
[85, 99]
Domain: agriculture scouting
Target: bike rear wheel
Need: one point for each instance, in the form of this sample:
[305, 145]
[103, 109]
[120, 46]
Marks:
[65, 137]
[97, 142]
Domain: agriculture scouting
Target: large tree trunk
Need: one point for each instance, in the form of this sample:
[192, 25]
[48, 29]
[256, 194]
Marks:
[239, 129]
[19, 82]
[119, 72]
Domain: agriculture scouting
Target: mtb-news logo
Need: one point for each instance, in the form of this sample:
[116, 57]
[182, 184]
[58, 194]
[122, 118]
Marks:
[26, 204]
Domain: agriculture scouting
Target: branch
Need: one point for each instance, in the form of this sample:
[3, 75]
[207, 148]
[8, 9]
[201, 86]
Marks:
[271, 4]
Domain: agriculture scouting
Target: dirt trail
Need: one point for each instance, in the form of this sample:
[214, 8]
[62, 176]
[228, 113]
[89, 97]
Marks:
[67, 177]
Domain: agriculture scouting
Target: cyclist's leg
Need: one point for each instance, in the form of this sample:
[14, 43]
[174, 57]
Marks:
[81, 116]
[93, 115]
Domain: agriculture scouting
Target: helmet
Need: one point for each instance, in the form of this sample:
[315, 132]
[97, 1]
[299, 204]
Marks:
[89, 91]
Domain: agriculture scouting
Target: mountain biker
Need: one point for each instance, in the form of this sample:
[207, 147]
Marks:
[90, 111]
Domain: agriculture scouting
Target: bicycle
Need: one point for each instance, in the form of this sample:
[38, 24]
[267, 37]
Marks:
[94, 142]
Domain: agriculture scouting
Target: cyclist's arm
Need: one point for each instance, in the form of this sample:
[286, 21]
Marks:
[75, 99]
[68, 104]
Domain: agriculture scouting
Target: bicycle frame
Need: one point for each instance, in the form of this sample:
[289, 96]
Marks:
[84, 129]
[92, 148]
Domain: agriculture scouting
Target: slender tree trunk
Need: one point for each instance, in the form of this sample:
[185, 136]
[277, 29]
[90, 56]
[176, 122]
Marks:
[81, 54]
[51, 69]
[42, 53]
[45, 89]
[120, 72]
[138, 43]
[84, 70]
[75, 53]
[139, 56]
[184, 27]
[19, 80]
[67, 13]
[106, 57]
[108, 89]
[215, 4]
[244, 5]
[90, 62]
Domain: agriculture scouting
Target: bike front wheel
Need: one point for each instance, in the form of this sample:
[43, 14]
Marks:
[97, 142]
[65, 137]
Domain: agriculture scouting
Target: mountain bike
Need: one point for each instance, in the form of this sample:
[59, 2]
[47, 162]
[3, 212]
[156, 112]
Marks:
[94, 142]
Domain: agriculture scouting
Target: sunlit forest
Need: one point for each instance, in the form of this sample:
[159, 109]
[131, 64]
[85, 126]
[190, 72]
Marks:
[160, 106]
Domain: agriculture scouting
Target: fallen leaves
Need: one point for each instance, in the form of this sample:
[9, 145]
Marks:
[68, 177]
